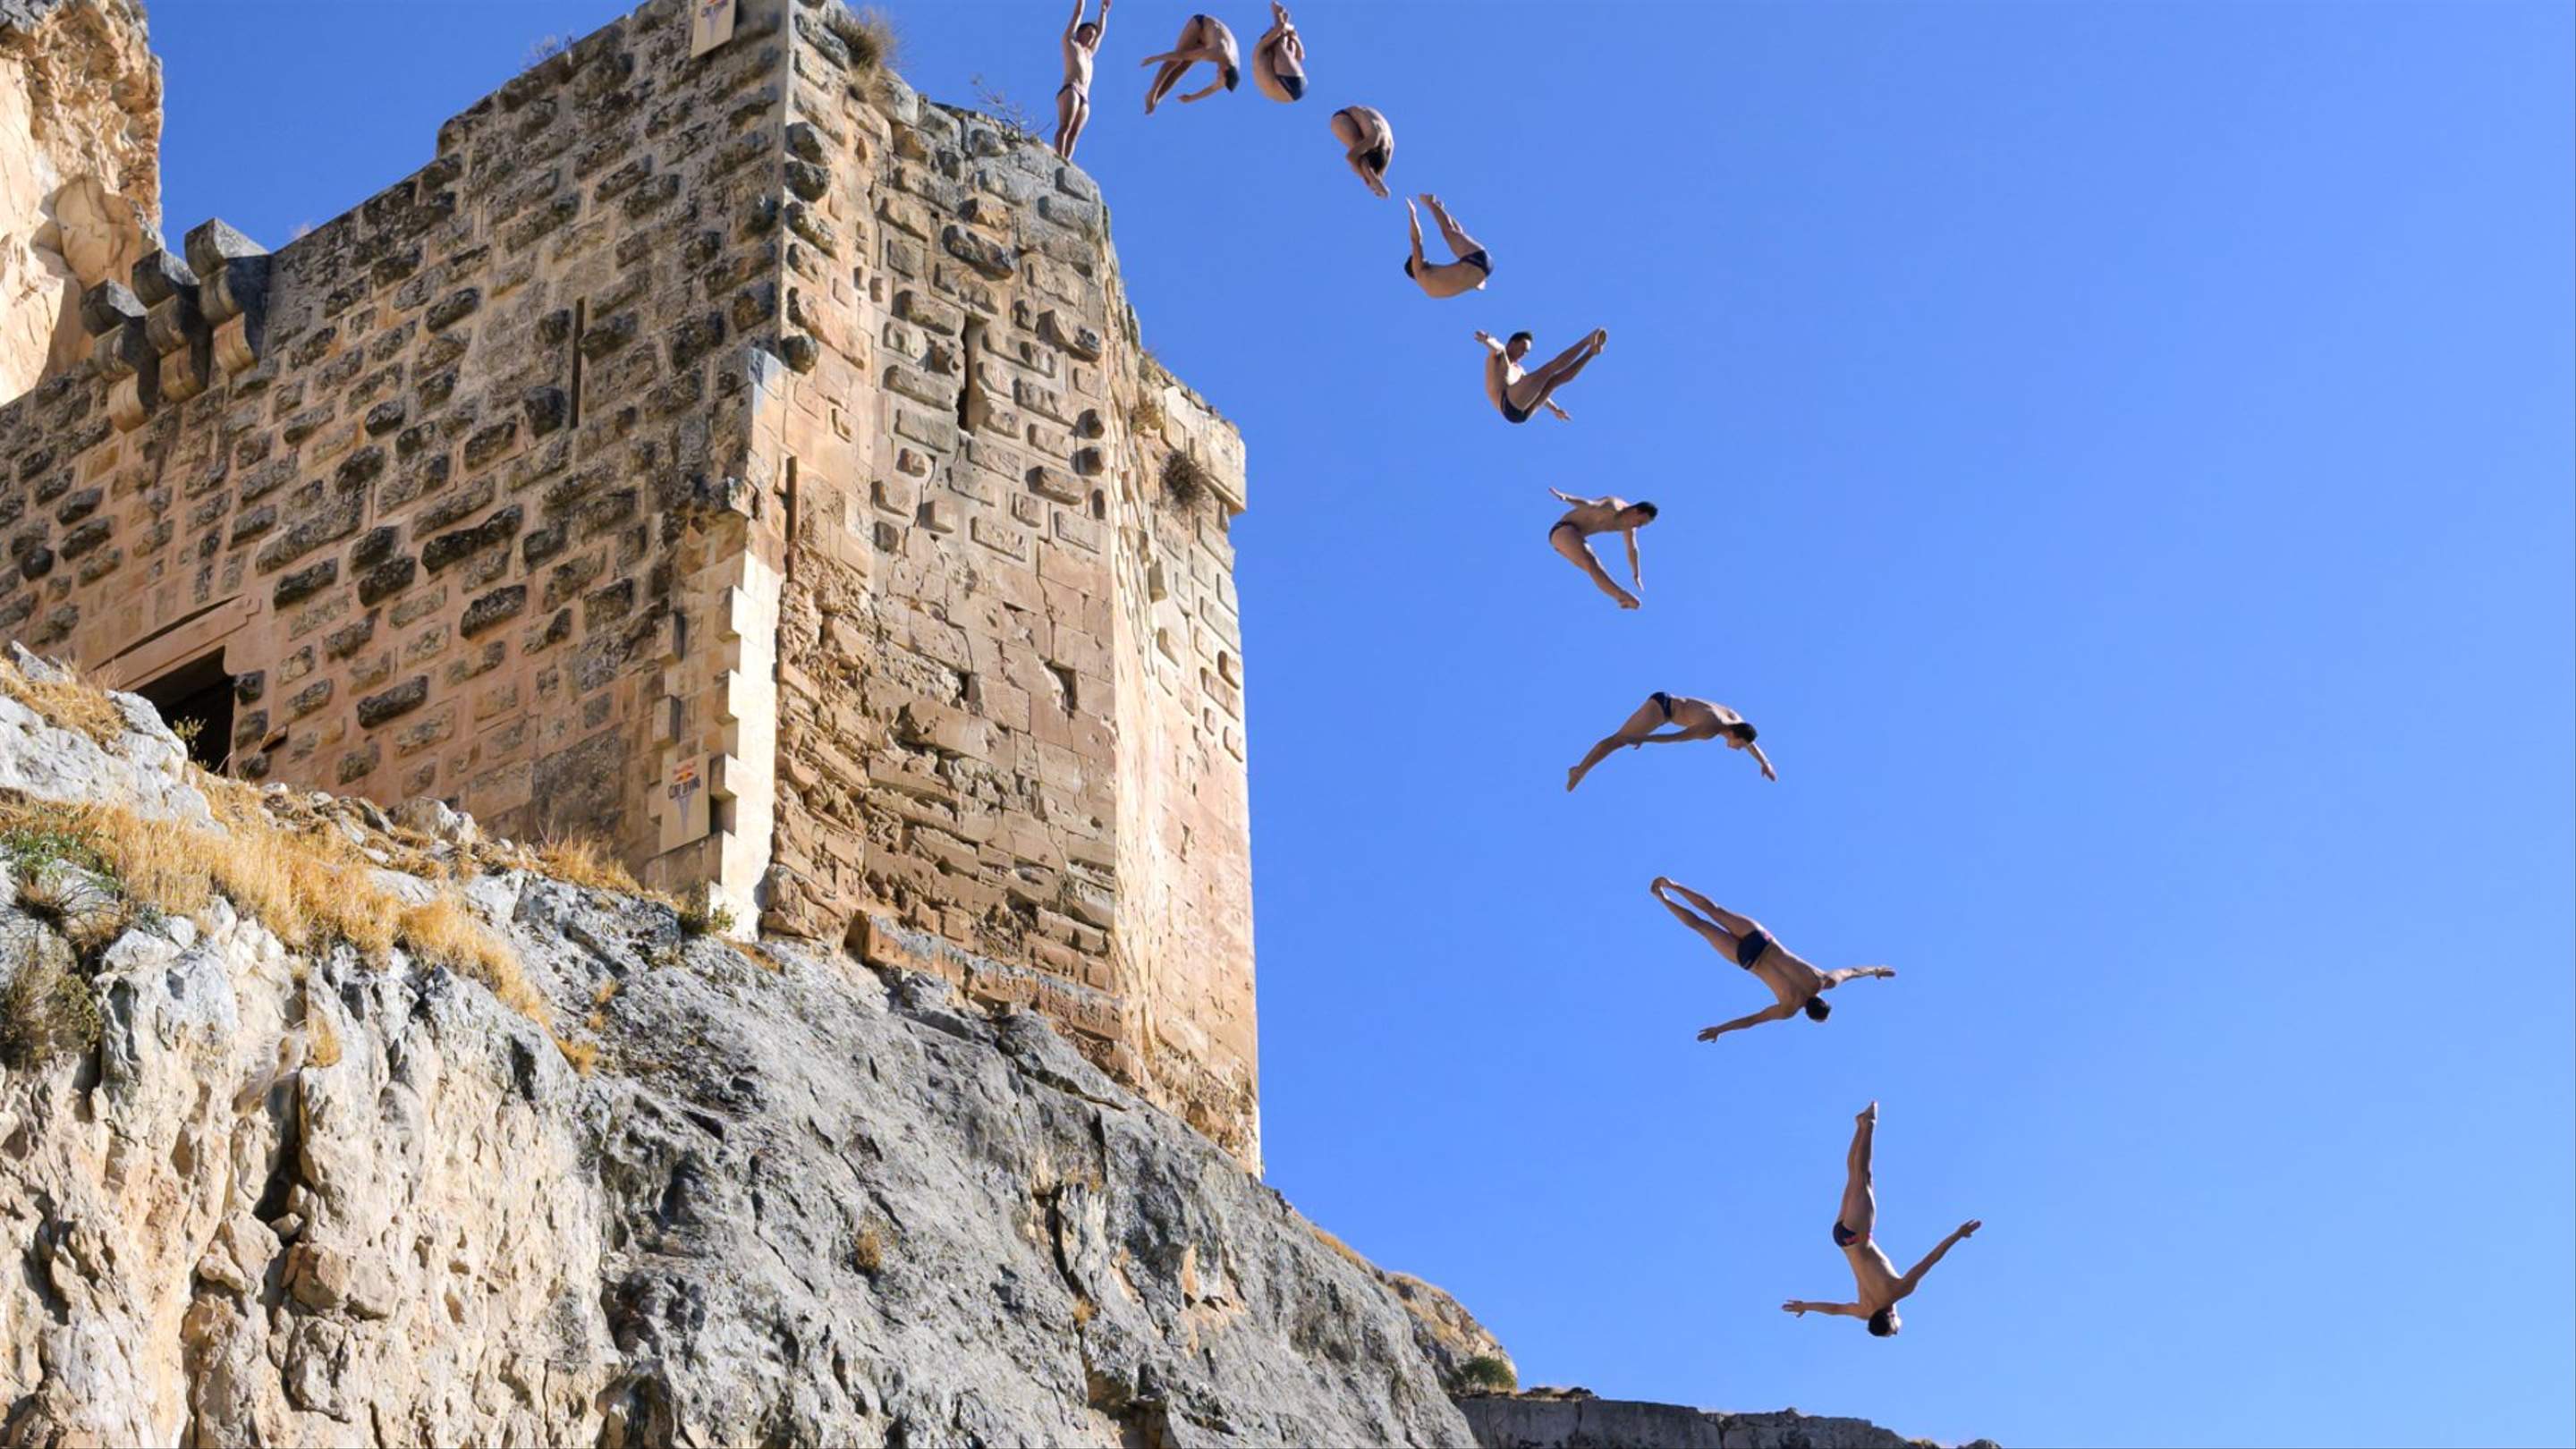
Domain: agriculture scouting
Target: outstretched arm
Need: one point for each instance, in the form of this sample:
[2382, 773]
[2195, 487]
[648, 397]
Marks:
[1772, 1013]
[1802, 1308]
[1682, 913]
[1856, 973]
[1634, 576]
[1763, 760]
[1075, 23]
[1694, 897]
[1914, 1276]
[1103, 23]
[1559, 492]
[1561, 413]
[1482, 336]
[1413, 219]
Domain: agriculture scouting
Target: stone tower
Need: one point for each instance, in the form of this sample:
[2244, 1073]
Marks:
[718, 451]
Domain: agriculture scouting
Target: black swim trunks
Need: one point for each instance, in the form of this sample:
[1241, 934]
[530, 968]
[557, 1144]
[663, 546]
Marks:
[1476, 259]
[1843, 1236]
[1294, 85]
[1376, 157]
[1663, 702]
[1750, 947]
[1512, 414]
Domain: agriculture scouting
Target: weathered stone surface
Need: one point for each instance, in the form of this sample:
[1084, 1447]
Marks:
[400, 700]
[1561, 1419]
[305, 1199]
[80, 173]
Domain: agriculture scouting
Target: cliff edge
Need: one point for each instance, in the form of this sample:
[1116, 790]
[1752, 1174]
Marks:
[536, 1161]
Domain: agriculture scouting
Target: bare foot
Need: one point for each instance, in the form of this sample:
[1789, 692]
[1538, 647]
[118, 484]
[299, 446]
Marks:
[1627, 600]
[1573, 778]
[1867, 1114]
[1600, 338]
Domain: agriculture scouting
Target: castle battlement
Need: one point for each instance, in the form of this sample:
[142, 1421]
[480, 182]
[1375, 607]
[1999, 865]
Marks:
[727, 455]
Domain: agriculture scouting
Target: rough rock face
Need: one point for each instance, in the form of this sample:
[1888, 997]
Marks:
[80, 170]
[1549, 1419]
[305, 1198]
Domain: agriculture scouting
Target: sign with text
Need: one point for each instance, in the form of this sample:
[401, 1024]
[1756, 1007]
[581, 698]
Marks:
[710, 25]
[684, 801]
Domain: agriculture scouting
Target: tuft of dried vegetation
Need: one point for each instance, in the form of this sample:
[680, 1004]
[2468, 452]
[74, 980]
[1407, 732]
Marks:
[311, 887]
[1009, 114]
[867, 1250]
[1485, 1374]
[705, 918]
[324, 1038]
[1184, 481]
[67, 702]
[869, 33]
[544, 48]
[1145, 417]
[46, 1010]
[1083, 1311]
[1345, 1249]
[583, 861]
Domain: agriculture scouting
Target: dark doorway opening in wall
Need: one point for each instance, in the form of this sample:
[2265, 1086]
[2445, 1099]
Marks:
[196, 702]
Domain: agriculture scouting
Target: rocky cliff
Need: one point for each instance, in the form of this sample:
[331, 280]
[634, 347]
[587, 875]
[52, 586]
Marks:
[323, 1127]
[1575, 1419]
[80, 170]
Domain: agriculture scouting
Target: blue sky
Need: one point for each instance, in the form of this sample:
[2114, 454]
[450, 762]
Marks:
[2120, 455]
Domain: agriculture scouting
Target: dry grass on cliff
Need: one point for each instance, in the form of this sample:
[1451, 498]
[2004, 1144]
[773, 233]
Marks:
[311, 888]
[66, 702]
[583, 861]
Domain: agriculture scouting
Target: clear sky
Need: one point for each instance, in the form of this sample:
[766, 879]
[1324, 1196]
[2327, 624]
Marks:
[2120, 455]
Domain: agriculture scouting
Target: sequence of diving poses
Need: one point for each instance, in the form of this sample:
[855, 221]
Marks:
[1521, 392]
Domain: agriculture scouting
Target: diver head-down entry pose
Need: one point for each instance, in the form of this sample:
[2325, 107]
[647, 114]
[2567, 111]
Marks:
[1691, 719]
[1877, 1283]
[1203, 38]
[1797, 985]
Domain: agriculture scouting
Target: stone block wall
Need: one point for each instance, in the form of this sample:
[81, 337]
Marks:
[1010, 740]
[80, 170]
[446, 480]
[728, 456]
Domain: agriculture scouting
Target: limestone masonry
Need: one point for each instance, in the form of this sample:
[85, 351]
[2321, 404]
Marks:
[727, 455]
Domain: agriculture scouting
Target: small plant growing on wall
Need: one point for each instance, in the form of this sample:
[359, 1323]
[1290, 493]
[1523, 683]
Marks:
[1184, 481]
[993, 101]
